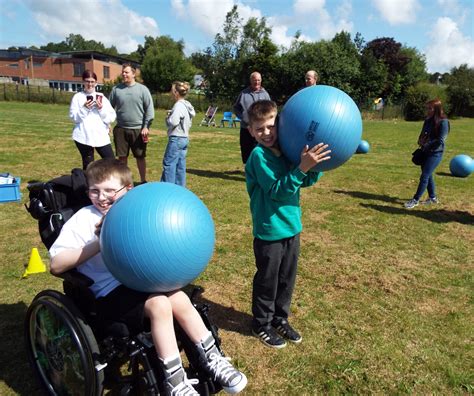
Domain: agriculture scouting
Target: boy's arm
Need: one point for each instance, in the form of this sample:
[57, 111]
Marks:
[276, 180]
[311, 178]
[71, 258]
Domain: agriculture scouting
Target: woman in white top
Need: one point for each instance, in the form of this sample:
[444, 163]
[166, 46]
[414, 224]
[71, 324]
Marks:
[92, 114]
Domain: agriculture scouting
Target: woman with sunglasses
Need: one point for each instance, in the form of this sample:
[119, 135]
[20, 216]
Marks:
[92, 114]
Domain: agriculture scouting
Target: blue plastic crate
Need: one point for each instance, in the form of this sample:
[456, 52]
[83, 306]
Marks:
[10, 192]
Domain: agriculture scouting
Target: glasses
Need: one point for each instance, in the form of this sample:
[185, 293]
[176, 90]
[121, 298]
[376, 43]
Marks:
[89, 81]
[108, 193]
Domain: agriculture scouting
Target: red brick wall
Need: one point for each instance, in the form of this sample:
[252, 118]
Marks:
[58, 69]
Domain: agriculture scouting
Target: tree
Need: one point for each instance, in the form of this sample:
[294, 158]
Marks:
[165, 62]
[75, 42]
[218, 62]
[461, 89]
[337, 63]
[388, 51]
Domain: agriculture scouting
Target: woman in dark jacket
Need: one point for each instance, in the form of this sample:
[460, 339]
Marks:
[432, 137]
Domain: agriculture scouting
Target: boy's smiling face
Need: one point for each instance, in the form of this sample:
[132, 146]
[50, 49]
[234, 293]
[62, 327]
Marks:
[104, 194]
[265, 130]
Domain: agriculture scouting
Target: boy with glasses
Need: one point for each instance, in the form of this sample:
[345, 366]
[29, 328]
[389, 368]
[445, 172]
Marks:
[78, 247]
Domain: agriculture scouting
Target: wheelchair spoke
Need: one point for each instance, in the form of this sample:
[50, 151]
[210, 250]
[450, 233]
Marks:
[55, 350]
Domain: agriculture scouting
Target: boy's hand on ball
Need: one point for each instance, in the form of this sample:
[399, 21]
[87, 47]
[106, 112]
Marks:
[310, 157]
[98, 226]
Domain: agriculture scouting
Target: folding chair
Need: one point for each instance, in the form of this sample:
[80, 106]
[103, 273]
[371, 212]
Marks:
[208, 119]
[227, 118]
[236, 120]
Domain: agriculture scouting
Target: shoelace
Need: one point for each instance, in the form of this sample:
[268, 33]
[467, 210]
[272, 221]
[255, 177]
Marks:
[185, 388]
[220, 366]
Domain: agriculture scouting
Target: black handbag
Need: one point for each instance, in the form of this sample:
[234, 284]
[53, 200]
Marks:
[418, 157]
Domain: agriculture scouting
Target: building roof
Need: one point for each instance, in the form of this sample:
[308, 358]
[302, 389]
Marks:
[22, 53]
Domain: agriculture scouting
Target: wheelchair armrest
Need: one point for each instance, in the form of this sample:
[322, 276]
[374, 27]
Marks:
[34, 185]
[76, 278]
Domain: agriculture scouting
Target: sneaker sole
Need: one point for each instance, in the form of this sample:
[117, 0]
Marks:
[267, 344]
[236, 388]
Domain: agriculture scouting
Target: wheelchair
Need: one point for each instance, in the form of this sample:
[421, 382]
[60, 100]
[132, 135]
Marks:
[70, 348]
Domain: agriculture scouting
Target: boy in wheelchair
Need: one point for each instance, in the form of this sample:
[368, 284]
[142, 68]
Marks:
[78, 247]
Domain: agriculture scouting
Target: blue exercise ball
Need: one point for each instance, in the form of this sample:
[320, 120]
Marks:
[461, 165]
[363, 147]
[158, 237]
[320, 114]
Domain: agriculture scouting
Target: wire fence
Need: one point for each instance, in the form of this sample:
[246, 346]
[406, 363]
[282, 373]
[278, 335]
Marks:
[44, 94]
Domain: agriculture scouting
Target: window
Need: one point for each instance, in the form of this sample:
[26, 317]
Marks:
[13, 65]
[106, 72]
[79, 69]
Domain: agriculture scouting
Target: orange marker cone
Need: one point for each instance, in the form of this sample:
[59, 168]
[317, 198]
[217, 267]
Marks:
[35, 265]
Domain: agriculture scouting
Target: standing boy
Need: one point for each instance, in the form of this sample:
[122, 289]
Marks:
[133, 104]
[78, 247]
[273, 184]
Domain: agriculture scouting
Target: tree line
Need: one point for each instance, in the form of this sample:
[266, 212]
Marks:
[381, 68]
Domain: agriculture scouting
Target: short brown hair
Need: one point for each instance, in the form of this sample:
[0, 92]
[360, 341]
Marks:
[101, 170]
[89, 74]
[128, 64]
[261, 110]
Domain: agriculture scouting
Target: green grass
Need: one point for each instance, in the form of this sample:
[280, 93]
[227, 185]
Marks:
[383, 296]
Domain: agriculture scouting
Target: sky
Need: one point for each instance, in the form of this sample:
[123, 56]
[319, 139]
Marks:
[442, 30]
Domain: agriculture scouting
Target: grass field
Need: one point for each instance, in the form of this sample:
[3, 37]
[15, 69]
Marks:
[383, 296]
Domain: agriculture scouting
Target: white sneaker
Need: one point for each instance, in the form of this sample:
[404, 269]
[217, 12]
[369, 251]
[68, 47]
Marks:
[231, 379]
[176, 381]
[220, 368]
[430, 201]
[411, 203]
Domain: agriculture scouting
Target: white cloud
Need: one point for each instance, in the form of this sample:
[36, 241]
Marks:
[308, 6]
[209, 15]
[314, 15]
[448, 48]
[107, 21]
[397, 12]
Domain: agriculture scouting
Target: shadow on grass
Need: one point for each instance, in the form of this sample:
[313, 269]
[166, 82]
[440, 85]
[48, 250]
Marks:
[16, 372]
[369, 196]
[227, 318]
[223, 317]
[236, 175]
[436, 215]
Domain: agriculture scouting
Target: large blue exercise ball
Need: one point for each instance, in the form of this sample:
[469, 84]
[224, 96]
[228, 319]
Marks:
[320, 114]
[158, 237]
[461, 165]
[363, 147]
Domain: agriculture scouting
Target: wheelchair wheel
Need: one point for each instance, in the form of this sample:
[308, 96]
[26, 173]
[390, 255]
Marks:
[61, 347]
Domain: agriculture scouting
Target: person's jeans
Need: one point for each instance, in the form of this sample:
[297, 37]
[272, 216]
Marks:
[426, 178]
[174, 161]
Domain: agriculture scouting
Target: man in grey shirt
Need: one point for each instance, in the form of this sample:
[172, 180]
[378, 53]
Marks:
[253, 93]
[133, 104]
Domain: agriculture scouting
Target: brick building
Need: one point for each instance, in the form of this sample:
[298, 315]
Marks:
[58, 70]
